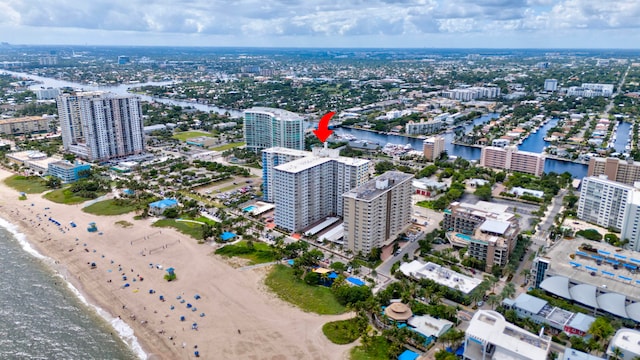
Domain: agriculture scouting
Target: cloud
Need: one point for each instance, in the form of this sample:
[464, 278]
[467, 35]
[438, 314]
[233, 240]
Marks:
[322, 19]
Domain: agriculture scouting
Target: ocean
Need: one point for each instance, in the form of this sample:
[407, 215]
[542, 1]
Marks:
[43, 317]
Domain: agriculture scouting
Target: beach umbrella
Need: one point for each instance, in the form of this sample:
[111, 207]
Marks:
[201, 314]
[172, 307]
[196, 353]
[161, 298]
[197, 297]
[188, 306]
[126, 285]
[182, 318]
[151, 291]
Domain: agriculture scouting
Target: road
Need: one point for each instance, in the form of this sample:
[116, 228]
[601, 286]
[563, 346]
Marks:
[618, 90]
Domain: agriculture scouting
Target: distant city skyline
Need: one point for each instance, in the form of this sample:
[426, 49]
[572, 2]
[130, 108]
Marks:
[314, 23]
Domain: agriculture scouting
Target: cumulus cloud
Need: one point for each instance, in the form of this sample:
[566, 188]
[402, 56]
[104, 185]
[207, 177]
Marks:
[315, 18]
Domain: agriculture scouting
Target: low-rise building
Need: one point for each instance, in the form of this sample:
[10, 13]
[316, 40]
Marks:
[68, 172]
[158, 207]
[441, 275]
[627, 341]
[202, 141]
[428, 187]
[541, 312]
[25, 125]
[490, 336]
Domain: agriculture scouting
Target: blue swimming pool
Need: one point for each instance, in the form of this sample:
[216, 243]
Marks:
[250, 208]
[464, 237]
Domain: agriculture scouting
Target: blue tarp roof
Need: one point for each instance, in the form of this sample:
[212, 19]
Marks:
[164, 203]
[227, 235]
[355, 281]
[408, 355]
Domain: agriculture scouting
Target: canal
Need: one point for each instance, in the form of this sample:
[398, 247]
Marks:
[534, 143]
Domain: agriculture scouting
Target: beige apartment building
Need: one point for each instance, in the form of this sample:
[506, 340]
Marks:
[511, 159]
[25, 125]
[433, 147]
[623, 171]
[377, 211]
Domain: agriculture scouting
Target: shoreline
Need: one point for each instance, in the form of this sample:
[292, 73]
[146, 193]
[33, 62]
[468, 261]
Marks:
[228, 299]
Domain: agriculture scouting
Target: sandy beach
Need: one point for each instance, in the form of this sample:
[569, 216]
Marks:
[235, 314]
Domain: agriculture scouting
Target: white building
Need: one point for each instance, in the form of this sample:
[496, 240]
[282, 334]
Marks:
[604, 202]
[423, 127]
[490, 337]
[268, 127]
[440, 275]
[377, 211]
[628, 341]
[550, 85]
[99, 126]
[309, 189]
[271, 158]
[47, 94]
[591, 90]
[472, 93]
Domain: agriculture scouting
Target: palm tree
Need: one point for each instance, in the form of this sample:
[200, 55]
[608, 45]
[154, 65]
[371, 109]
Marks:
[493, 300]
[616, 353]
[508, 290]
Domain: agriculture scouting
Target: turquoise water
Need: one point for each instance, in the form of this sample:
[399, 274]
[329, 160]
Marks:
[250, 208]
[41, 317]
[464, 237]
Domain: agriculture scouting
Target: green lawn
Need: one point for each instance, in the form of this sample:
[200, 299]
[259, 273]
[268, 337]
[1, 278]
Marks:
[317, 299]
[342, 331]
[378, 350]
[425, 204]
[65, 196]
[187, 228]
[205, 220]
[125, 224]
[183, 136]
[29, 185]
[261, 252]
[109, 207]
[228, 146]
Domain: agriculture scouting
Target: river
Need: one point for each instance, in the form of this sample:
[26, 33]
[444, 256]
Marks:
[122, 89]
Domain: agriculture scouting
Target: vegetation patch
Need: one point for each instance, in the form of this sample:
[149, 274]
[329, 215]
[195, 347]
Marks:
[228, 146]
[65, 196]
[27, 184]
[111, 207]
[188, 228]
[345, 331]
[377, 348]
[183, 136]
[124, 223]
[318, 299]
[590, 234]
[257, 253]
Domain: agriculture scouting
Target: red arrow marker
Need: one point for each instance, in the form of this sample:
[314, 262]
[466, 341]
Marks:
[323, 131]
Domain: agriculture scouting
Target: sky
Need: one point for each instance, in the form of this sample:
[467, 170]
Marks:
[325, 23]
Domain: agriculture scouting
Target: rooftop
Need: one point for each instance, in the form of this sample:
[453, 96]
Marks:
[628, 340]
[440, 275]
[311, 159]
[490, 326]
[286, 151]
[23, 119]
[624, 280]
[278, 113]
[495, 226]
[378, 185]
[430, 326]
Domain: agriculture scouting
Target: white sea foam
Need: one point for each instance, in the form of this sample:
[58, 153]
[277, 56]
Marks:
[124, 331]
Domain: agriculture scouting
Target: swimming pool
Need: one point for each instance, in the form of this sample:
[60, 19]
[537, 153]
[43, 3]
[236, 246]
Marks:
[250, 208]
[464, 237]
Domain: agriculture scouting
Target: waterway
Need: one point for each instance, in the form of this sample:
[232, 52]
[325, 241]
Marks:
[534, 143]
[622, 137]
[122, 89]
